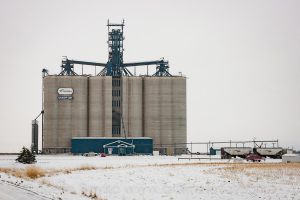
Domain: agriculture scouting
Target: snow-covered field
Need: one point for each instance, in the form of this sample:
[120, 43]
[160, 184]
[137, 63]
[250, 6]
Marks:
[148, 177]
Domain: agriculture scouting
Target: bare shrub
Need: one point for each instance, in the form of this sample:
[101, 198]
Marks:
[92, 195]
[34, 172]
[86, 167]
[17, 173]
[46, 182]
[49, 184]
[4, 170]
[108, 167]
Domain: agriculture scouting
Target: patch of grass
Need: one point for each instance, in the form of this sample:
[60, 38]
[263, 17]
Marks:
[92, 195]
[4, 170]
[108, 167]
[34, 172]
[263, 166]
[86, 167]
[31, 172]
[45, 182]
[258, 171]
[18, 173]
[49, 184]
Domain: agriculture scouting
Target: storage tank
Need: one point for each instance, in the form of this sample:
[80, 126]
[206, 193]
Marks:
[165, 112]
[100, 106]
[35, 136]
[179, 113]
[152, 109]
[132, 106]
[65, 111]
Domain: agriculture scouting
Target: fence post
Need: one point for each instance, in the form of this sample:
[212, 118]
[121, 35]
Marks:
[191, 149]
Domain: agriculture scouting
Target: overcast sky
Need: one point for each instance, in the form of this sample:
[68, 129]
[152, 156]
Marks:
[242, 60]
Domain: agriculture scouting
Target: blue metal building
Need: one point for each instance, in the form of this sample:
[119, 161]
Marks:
[112, 145]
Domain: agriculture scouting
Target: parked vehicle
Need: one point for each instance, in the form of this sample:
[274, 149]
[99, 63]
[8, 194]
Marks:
[102, 155]
[229, 152]
[232, 152]
[90, 154]
[275, 152]
[254, 157]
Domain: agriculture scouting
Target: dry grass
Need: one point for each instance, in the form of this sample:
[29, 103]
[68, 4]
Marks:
[92, 195]
[247, 168]
[4, 170]
[257, 171]
[235, 166]
[34, 172]
[242, 166]
[85, 167]
[107, 167]
[31, 172]
[263, 166]
[52, 172]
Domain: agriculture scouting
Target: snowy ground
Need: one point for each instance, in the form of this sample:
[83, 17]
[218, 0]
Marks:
[149, 177]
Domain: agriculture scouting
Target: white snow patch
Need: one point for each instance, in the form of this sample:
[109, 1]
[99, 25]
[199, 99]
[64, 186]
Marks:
[155, 177]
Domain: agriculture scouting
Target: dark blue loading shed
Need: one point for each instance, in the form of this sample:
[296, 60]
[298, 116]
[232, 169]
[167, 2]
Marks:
[117, 145]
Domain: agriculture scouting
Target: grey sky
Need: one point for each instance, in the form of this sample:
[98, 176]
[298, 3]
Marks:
[242, 60]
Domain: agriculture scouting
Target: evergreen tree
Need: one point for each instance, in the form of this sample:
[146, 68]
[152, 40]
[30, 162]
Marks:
[26, 157]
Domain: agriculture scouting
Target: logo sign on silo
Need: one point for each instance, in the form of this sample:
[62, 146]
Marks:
[65, 93]
[64, 97]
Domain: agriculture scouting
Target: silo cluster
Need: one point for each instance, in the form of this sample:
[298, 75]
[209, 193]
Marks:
[96, 106]
[115, 103]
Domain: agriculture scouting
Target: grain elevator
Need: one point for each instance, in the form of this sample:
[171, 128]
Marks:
[114, 104]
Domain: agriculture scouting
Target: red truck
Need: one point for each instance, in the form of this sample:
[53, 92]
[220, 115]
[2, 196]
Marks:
[254, 157]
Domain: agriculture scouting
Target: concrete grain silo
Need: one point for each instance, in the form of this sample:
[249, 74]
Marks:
[165, 112]
[65, 111]
[132, 106]
[179, 128]
[99, 105]
[114, 105]
[151, 107]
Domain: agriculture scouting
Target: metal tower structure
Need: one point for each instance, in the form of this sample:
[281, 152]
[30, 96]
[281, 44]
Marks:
[115, 66]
